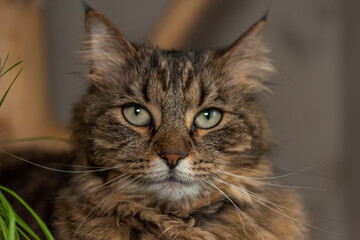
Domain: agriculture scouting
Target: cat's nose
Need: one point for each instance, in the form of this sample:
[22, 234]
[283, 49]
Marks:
[172, 158]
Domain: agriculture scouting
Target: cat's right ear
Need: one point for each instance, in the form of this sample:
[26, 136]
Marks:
[245, 61]
[108, 49]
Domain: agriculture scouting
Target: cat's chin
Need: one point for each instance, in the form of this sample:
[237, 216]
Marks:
[173, 191]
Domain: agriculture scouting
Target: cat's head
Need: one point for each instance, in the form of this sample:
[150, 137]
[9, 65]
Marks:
[172, 120]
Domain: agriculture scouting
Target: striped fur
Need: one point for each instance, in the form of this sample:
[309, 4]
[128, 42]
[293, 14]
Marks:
[216, 194]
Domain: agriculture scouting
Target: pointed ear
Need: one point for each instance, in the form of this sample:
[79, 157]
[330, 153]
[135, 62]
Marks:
[107, 48]
[245, 62]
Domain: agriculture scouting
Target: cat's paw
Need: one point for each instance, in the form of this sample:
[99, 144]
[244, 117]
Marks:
[170, 226]
[133, 209]
[182, 232]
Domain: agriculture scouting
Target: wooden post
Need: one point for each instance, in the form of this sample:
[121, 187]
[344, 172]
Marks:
[25, 112]
[177, 22]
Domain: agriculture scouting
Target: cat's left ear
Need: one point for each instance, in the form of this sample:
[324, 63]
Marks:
[108, 48]
[245, 62]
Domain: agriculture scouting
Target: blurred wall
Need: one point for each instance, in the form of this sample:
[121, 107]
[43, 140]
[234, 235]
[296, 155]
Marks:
[306, 114]
[351, 113]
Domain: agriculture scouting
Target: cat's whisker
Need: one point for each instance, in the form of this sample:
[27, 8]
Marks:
[60, 170]
[261, 199]
[252, 224]
[208, 193]
[256, 198]
[232, 202]
[103, 186]
[238, 210]
[112, 182]
[269, 184]
[167, 229]
[176, 235]
[278, 176]
[80, 166]
[98, 205]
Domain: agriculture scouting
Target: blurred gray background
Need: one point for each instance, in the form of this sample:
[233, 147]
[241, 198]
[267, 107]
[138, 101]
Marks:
[313, 112]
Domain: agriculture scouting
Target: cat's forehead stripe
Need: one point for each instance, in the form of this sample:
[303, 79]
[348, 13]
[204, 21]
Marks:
[172, 68]
[181, 78]
[181, 67]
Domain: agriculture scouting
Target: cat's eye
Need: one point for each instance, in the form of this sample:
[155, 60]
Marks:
[208, 118]
[137, 115]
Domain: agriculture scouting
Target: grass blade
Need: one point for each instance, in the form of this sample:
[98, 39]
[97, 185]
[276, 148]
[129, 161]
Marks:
[7, 91]
[22, 234]
[10, 68]
[24, 226]
[11, 217]
[4, 229]
[2, 67]
[42, 225]
[9, 212]
[11, 225]
[19, 223]
[16, 234]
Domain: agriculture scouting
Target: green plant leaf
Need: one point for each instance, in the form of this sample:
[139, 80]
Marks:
[11, 225]
[4, 229]
[22, 234]
[10, 217]
[24, 226]
[2, 67]
[37, 218]
[7, 91]
[10, 68]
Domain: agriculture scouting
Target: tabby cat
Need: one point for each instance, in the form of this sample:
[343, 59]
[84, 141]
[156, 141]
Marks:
[173, 145]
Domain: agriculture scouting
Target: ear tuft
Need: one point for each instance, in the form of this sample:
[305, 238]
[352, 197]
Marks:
[107, 48]
[87, 7]
[245, 60]
[265, 16]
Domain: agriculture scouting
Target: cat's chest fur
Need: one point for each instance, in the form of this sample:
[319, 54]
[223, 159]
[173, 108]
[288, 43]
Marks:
[129, 216]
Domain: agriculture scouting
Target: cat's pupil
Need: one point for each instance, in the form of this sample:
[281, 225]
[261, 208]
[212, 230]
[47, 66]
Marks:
[137, 110]
[207, 115]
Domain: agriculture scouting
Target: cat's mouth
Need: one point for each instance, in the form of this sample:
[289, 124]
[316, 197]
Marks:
[173, 179]
[170, 177]
[173, 187]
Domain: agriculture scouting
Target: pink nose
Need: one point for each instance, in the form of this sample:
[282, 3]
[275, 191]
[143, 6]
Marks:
[172, 158]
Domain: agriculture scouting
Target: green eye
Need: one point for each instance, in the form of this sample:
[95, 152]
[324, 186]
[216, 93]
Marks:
[208, 118]
[137, 115]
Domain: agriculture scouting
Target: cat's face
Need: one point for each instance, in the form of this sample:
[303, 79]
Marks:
[170, 119]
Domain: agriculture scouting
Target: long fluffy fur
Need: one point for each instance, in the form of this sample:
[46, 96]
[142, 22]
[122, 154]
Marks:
[219, 193]
[221, 189]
